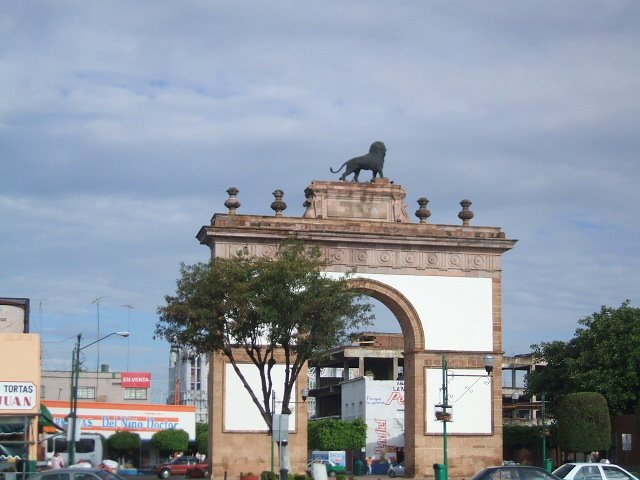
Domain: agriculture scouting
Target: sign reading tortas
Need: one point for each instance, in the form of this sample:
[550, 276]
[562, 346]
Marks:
[18, 396]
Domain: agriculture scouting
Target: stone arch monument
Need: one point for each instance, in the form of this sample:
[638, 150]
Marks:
[442, 283]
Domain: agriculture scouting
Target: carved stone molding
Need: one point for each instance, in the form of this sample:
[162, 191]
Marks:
[378, 201]
[374, 259]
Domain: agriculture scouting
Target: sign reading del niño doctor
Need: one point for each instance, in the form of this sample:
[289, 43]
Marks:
[18, 396]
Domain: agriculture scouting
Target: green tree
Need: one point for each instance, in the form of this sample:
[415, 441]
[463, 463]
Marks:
[170, 441]
[584, 424]
[331, 434]
[124, 444]
[202, 437]
[260, 305]
[603, 356]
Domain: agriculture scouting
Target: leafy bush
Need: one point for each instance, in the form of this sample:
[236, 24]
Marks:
[331, 434]
[584, 423]
[268, 475]
[169, 441]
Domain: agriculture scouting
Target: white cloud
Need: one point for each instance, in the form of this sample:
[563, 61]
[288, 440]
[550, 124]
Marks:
[122, 125]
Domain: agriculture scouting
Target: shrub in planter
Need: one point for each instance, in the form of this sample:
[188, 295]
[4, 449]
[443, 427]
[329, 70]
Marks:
[268, 475]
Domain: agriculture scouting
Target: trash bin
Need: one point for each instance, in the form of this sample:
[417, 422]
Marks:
[358, 467]
[32, 466]
[440, 471]
[548, 464]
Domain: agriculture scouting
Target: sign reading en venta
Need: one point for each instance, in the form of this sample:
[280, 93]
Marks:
[17, 396]
[136, 379]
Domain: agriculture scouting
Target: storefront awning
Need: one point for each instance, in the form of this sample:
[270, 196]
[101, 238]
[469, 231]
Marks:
[46, 420]
[11, 425]
[13, 431]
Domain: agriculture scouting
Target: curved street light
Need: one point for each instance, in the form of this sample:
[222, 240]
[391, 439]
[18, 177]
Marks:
[75, 374]
[444, 415]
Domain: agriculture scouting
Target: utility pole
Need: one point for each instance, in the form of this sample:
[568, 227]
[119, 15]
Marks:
[97, 302]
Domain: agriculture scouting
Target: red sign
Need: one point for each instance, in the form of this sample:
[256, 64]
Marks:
[136, 379]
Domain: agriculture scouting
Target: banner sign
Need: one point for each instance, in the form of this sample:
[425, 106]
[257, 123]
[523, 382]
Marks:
[143, 419]
[18, 396]
[136, 379]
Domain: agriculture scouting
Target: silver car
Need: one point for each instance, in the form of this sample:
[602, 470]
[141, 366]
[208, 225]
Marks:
[396, 470]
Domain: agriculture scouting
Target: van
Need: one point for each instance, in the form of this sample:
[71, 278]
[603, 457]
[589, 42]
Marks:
[90, 448]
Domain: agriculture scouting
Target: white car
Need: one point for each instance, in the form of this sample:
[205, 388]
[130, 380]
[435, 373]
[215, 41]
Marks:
[593, 471]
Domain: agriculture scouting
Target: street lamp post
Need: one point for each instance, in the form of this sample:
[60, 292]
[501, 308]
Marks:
[443, 410]
[273, 411]
[544, 438]
[281, 434]
[75, 375]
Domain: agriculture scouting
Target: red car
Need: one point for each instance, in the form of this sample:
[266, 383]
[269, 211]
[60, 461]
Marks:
[179, 466]
[201, 470]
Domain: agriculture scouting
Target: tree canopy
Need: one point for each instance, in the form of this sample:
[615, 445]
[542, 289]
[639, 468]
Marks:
[603, 356]
[124, 444]
[202, 437]
[263, 307]
[170, 441]
[584, 424]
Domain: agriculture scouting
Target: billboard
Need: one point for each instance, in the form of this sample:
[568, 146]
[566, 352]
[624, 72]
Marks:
[135, 379]
[381, 404]
[143, 419]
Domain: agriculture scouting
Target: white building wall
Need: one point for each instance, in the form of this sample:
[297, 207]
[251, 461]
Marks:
[240, 413]
[447, 306]
[381, 404]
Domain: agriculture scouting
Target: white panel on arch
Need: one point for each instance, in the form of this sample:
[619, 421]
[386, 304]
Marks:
[240, 413]
[456, 312]
[469, 396]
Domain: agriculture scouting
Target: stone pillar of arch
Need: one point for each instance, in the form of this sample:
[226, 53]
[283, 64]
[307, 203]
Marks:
[442, 283]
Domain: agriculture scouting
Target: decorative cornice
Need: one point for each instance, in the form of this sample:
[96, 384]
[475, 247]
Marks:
[386, 260]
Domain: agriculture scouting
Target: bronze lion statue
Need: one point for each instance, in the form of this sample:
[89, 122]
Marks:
[374, 161]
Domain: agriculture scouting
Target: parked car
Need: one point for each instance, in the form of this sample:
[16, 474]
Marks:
[593, 471]
[332, 468]
[513, 472]
[75, 474]
[396, 470]
[178, 466]
[199, 470]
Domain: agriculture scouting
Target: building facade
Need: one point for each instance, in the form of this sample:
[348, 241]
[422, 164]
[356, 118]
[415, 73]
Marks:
[188, 382]
[104, 386]
[366, 380]
[441, 282]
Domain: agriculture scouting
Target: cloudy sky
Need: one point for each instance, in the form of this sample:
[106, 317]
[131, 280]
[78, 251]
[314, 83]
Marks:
[122, 124]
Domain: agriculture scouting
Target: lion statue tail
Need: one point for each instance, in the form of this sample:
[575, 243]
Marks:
[341, 167]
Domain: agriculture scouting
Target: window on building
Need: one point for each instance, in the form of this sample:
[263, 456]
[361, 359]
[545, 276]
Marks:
[627, 442]
[43, 392]
[87, 392]
[135, 393]
[196, 373]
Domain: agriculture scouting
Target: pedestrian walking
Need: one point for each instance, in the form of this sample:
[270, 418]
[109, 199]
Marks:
[57, 462]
